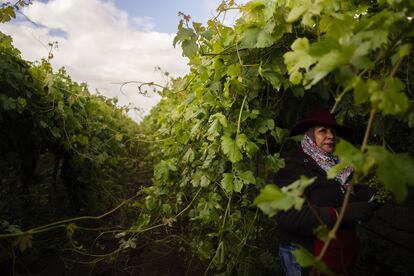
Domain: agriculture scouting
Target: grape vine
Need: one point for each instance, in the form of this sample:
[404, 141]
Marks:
[221, 128]
[216, 136]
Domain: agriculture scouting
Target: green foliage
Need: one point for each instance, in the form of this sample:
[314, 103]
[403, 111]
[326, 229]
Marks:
[306, 259]
[8, 10]
[217, 134]
[45, 113]
[273, 199]
[64, 152]
[350, 155]
[234, 182]
[394, 171]
[221, 127]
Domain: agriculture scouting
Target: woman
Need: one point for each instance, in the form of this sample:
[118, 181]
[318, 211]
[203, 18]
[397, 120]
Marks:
[323, 198]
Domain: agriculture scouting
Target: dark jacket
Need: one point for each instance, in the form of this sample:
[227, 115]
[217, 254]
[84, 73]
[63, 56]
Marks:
[296, 227]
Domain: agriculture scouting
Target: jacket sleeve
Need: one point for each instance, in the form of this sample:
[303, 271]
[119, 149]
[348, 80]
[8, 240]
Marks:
[305, 220]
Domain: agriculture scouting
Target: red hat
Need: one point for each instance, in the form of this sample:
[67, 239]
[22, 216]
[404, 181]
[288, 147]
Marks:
[321, 117]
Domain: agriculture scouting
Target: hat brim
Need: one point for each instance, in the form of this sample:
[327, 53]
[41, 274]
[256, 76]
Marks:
[302, 127]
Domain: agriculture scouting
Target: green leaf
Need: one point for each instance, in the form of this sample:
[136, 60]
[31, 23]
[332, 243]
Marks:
[258, 10]
[221, 118]
[295, 190]
[350, 155]
[280, 134]
[333, 171]
[166, 209]
[188, 40]
[364, 90]
[235, 182]
[251, 148]
[249, 37]
[254, 114]
[227, 182]
[204, 181]
[6, 13]
[218, 121]
[198, 27]
[273, 199]
[237, 185]
[273, 76]
[231, 149]
[247, 177]
[182, 35]
[243, 142]
[189, 156]
[150, 202]
[303, 257]
[295, 13]
[163, 168]
[325, 65]
[190, 48]
[265, 125]
[298, 58]
[402, 51]
[274, 162]
[391, 100]
[255, 37]
[306, 259]
[268, 195]
[394, 171]
[234, 70]
[214, 130]
[322, 232]
[264, 39]
[197, 177]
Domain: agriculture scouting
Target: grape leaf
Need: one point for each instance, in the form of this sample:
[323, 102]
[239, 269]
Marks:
[231, 149]
[298, 58]
[273, 199]
[395, 171]
[306, 259]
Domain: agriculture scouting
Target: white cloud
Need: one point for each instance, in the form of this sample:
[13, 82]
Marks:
[145, 23]
[102, 46]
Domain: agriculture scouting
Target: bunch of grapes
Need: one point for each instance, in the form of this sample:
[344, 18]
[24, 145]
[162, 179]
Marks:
[381, 195]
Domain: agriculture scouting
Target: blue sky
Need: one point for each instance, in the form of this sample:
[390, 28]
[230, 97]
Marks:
[164, 12]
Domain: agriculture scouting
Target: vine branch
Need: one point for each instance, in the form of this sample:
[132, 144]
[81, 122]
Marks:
[62, 223]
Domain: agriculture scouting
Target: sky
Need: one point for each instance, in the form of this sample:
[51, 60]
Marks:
[108, 42]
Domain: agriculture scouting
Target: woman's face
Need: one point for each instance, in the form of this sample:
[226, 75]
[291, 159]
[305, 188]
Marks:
[325, 138]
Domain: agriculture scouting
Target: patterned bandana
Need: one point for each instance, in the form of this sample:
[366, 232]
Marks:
[325, 160]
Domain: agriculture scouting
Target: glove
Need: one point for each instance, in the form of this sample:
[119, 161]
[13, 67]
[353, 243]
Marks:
[358, 211]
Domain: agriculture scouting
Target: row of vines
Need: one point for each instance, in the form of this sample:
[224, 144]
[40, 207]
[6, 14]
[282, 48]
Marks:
[215, 138]
[219, 131]
[66, 157]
